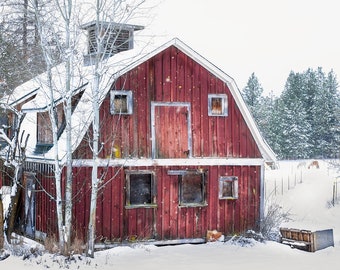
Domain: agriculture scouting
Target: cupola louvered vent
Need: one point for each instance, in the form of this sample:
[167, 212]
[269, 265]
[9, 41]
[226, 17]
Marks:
[107, 39]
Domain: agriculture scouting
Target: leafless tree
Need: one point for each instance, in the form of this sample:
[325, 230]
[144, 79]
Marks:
[113, 13]
[57, 24]
[15, 141]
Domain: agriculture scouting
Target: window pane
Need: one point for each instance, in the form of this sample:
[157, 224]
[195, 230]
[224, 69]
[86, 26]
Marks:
[140, 189]
[227, 189]
[120, 104]
[192, 188]
[216, 105]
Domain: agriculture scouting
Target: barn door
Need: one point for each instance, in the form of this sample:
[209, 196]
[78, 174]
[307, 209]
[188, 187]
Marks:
[29, 183]
[171, 132]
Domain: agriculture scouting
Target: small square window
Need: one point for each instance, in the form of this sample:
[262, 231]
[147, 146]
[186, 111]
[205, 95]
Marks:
[228, 187]
[121, 102]
[140, 189]
[217, 105]
[192, 189]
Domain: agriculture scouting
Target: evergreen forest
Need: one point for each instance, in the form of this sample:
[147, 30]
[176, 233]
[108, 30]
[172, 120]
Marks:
[304, 121]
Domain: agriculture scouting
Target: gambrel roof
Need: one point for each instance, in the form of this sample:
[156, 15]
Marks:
[113, 68]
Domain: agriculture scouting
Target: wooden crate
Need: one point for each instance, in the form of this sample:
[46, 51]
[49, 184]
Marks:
[307, 240]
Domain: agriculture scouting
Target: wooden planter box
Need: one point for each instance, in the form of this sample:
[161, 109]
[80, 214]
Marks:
[307, 240]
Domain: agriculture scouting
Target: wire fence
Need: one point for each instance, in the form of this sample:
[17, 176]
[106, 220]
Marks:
[292, 173]
[278, 182]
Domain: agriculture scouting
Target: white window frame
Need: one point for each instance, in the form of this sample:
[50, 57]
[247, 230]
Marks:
[231, 180]
[224, 104]
[129, 101]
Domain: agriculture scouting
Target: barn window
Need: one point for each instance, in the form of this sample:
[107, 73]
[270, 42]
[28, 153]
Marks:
[192, 188]
[121, 102]
[217, 105]
[140, 189]
[228, 187]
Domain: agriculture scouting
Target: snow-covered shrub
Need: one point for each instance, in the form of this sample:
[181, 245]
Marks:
[274, 216]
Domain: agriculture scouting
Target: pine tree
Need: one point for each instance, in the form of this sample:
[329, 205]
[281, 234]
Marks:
[296, 130]
[252, 95]
[309, 115]
[328, 114]
[273, 127]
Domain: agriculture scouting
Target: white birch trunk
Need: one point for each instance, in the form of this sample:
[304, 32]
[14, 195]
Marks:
[53, 118]
[95, 141]
[57, 169]
[68, 115]
[113, 11]
[95, 152]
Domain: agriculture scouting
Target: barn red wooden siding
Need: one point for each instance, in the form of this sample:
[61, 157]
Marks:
[170, 76]
[167, 221]
[45, 206]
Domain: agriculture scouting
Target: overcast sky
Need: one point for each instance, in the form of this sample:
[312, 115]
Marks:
[268, 37]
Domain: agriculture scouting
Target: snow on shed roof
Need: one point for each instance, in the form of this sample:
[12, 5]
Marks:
[122, 63]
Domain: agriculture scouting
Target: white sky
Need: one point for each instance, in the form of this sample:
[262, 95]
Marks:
[268, 37]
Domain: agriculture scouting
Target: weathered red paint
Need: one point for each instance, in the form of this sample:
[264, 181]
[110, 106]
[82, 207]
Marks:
[169, 76]
[168, 220]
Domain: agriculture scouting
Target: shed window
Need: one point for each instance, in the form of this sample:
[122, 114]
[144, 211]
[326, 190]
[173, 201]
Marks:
[217, 105]
[140, 189]
[121, 102]
[228, 187]
[192, 188]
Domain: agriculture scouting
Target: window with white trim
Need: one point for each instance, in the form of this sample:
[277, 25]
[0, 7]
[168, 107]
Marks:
[217, 105]
[228, 187]
[121, 102]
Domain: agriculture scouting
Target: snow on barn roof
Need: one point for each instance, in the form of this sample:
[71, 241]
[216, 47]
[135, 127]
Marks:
[113, 68]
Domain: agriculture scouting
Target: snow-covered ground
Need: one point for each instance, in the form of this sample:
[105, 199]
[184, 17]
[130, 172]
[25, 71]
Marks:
[306, 193]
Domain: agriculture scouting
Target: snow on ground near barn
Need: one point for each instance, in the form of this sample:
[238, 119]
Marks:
[306, 193]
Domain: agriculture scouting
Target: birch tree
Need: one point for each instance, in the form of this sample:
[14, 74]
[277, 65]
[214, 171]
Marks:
[110, 12]
[52, 115]
[50, 18]
[56, 22]
[66, 12]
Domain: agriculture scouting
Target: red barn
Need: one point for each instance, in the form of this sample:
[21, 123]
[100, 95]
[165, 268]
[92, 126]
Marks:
[180, 154]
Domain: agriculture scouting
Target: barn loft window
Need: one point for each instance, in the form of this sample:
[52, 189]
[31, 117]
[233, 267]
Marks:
[228, 187]
[121, 102]
[140, 189]
[192, 187]
[217, 105]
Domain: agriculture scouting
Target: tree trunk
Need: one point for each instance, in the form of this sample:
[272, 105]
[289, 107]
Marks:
[95, 147]
[95, 181]
[2, 240]
[68, 110]
[12, 214]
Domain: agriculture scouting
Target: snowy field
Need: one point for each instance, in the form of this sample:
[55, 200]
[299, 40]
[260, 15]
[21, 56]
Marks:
[307, 194]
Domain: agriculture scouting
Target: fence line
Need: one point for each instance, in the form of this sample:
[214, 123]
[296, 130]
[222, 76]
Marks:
[290, 174]
[281, 184]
